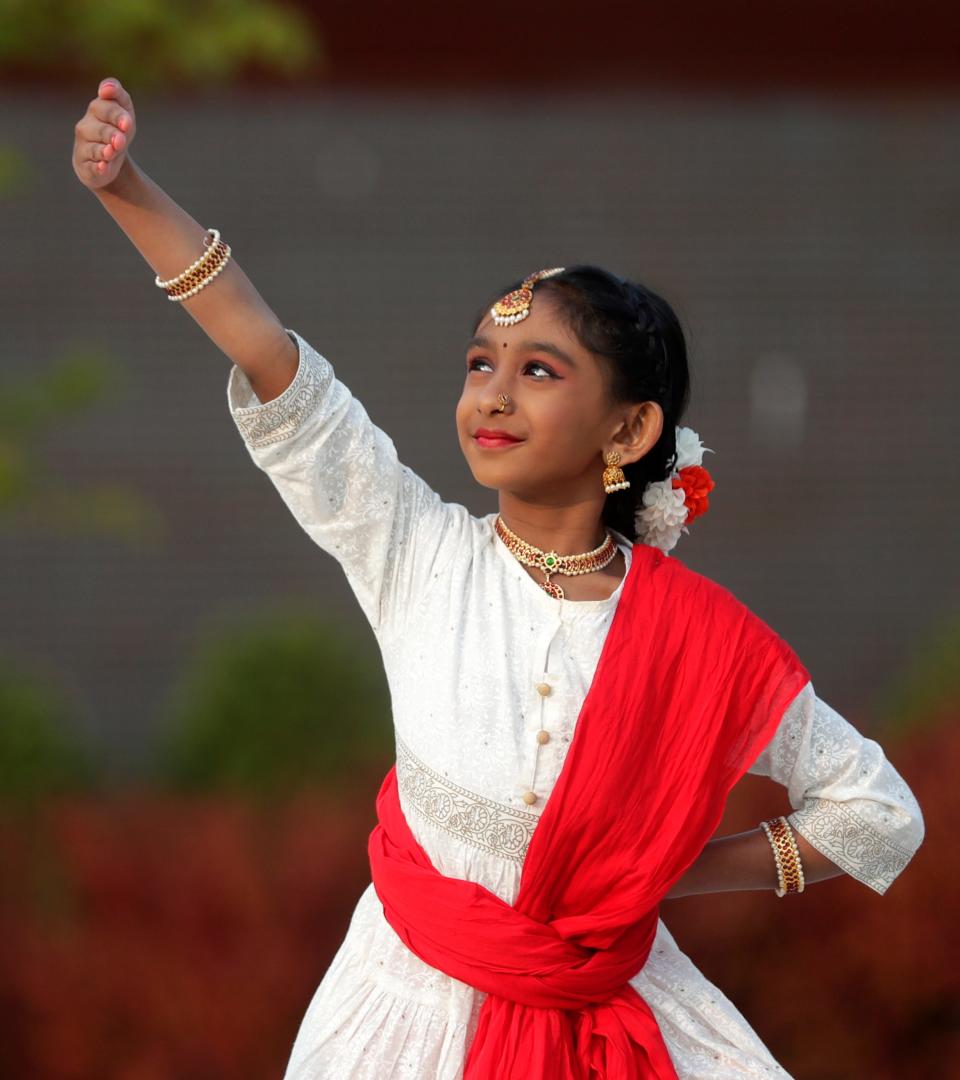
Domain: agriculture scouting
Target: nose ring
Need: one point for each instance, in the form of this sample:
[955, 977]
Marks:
[504, 401]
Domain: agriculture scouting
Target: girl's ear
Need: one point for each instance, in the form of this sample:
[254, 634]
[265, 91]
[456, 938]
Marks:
[639, 431]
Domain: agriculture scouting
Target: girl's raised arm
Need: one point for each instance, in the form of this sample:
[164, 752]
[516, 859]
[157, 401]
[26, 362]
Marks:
[336, 470]
[231, 311]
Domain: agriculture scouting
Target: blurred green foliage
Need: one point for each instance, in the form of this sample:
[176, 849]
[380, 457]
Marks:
[32, 406]
[16, 173]
[927, 688]
[154, 42]
[273, 703]
[41, 753]
[38, 757]
[33, 499]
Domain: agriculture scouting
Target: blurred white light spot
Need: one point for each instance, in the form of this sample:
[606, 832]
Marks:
[347, 169]
[778, 401]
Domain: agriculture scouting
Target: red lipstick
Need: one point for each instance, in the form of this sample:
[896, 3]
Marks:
[495, 437]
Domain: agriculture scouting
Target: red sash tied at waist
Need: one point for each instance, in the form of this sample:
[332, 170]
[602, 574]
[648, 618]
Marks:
[689, 688]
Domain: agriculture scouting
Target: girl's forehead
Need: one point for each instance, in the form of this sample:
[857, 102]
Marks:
[533, 333]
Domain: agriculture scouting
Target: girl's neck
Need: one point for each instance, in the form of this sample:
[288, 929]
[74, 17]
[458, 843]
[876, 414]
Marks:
[567, 530]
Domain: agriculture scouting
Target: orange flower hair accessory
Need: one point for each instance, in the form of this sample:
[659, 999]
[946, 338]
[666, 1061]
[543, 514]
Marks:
[670, 505]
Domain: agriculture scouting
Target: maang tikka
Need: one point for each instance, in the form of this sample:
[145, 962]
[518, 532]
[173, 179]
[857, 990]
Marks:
[515, 306]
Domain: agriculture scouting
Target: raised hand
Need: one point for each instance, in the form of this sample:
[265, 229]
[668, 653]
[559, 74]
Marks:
[231, 311]
[103, 135]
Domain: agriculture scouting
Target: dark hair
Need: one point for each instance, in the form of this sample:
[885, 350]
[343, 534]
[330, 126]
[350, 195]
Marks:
[636, 332]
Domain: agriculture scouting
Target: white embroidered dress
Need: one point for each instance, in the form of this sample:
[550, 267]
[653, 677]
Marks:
[479, 659]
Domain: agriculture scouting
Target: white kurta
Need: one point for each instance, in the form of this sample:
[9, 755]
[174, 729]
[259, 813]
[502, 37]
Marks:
[466, 637]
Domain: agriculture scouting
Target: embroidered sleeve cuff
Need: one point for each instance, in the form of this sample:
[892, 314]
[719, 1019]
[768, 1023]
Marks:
[263, 423]
[865, 852]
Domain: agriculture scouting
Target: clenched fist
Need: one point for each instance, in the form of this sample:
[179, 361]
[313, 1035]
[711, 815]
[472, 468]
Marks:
[103, 135]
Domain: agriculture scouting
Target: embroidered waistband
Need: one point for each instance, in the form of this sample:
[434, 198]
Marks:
[491, 826]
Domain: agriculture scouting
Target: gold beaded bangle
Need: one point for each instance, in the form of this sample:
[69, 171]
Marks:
[193, 277]
[209, 242]
[786, 855]
[201, 277]
[798, 865]
[200, 273]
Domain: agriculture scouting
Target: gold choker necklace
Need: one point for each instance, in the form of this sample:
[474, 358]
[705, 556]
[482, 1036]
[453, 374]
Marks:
[552, 563]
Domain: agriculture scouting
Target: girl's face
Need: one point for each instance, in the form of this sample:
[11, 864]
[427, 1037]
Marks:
[558, 408]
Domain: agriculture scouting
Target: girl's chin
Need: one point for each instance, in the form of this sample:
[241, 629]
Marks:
[488, 478]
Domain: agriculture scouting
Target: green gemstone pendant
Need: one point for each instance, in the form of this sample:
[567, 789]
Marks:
[550, 558]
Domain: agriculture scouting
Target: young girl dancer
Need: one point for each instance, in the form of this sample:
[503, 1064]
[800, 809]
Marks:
[571, 704]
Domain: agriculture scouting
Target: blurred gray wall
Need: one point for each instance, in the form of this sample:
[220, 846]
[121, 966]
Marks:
[807, 244]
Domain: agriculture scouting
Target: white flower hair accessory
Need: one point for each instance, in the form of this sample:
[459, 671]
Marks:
[670, 505]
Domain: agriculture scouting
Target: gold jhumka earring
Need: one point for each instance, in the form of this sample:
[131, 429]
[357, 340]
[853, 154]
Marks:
[614, 478]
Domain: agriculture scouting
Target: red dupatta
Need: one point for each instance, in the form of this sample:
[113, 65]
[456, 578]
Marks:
[689, 688]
